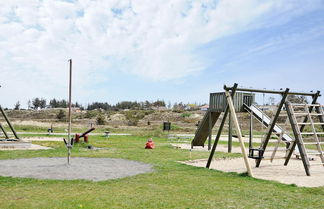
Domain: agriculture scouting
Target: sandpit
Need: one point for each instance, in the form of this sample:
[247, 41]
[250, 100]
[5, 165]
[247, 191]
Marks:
[293, 173]
[93, 169]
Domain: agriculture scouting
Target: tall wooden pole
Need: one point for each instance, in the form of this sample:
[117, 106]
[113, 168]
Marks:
[209, 128]
[69, 145]
[230, 133]
[238, 131]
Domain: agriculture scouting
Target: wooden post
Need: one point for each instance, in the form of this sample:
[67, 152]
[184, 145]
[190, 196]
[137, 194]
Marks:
[9, 124]
[272, 125]
[238, 131]
[251, 130]
[4, 132]
[230, 133]
[69, 144]
[226, 111]
[209, 129]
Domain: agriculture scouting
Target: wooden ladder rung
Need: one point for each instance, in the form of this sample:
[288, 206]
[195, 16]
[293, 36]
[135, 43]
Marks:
[310, 123]
[306, 143]
[313, 153]
[274, 158]
[311, 133]
[271, 150]
[313, 105]
[303, 113]
[316, 164]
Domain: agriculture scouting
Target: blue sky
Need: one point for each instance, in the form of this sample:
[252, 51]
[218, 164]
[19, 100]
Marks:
[146, 50]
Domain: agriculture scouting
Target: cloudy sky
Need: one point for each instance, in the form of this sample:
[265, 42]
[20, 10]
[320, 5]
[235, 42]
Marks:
[176, 50]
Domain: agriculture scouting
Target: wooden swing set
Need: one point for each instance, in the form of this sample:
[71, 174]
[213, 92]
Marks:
[298, 116]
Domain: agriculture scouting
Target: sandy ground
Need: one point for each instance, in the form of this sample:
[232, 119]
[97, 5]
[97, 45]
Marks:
[93, 169]
[32, 147]
[293, 173]
[219, 148]
[29, 139]
[20, 145]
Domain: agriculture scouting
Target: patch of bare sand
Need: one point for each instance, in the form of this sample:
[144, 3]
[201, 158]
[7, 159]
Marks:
[31, 147]
[220, 148]
[293, 173]
[29, 139]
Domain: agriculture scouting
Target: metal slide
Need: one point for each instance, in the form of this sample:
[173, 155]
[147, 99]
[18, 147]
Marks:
[258, 114]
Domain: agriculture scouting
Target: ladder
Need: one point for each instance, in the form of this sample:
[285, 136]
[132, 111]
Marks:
[309, 138]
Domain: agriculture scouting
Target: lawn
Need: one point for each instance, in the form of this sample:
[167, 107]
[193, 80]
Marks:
[171, 185]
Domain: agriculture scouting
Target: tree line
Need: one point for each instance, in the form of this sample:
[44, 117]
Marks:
[41, 103]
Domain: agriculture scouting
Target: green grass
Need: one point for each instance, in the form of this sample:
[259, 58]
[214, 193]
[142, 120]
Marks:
[171, 185]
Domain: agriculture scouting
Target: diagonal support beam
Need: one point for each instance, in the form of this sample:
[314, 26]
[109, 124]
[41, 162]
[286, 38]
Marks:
[238, 131]
[272, 125]
[298, 138]
[8, 122]
[4, 131]
[292, 148]
[220, 128]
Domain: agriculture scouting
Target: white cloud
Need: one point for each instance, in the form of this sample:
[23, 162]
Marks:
[151, 39]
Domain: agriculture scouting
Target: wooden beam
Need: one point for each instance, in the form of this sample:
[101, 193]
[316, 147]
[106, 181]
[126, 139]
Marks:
[292, 148]
[209, 129]
[9, 124]
[230, 134]
[239, 134]
[212, 152]
[4, 131]
[272, 125]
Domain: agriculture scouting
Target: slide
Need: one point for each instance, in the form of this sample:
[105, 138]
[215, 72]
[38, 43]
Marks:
[266, 121]
[203, 129]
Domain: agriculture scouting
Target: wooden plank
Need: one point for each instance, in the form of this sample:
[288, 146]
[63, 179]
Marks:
[9, 124]
[239, 134]
[272, 125]
[4, 131]
[319, 148]
[230, 134]
[298, 139]
[283, 131]
[209, 129]
[203, 130]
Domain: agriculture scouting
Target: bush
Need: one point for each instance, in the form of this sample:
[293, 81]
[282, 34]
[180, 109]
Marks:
[186, 115]
[90, 114]
[61, 115]
[101, 120]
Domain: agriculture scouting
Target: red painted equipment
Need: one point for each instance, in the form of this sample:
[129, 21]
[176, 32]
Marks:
[84, 136]
[149, 144]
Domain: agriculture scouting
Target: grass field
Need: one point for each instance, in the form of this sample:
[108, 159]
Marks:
[171, 185]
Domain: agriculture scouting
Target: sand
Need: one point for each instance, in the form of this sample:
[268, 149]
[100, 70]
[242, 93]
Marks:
[293, 173]
[93, 169]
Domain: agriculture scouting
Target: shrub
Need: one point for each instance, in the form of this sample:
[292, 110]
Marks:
[101, 120]
[186, 115]
[61, 115]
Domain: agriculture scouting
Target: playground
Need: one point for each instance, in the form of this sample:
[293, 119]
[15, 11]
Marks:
[171, 184]
[118, 172]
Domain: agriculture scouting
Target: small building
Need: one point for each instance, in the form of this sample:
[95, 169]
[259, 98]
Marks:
[204, 107]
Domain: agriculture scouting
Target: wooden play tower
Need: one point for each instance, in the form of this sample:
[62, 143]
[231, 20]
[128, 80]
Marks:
[305, 120]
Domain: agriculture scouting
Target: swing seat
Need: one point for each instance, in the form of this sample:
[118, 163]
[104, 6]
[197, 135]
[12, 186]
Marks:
[256, 153]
